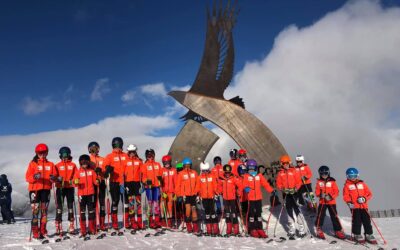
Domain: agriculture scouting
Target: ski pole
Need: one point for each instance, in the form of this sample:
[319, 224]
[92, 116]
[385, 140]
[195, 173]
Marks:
[76, 215]
[373, 222]
[107, 182]
[314, 204]
[280, 214]
[271, 211]
[319, 214]
[241, 216]
[175, 217]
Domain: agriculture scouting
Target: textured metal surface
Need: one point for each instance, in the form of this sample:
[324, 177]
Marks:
[243, 127]
[194, 141]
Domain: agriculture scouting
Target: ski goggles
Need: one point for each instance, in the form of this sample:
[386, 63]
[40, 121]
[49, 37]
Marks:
[324, 173]
[352, 176]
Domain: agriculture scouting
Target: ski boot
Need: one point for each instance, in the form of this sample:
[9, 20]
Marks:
[370, 238]
[262, 234]
[320, 234]
[254, 233]
[340, 235]
[359, 239]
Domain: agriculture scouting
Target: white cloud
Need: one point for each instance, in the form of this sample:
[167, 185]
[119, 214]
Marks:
[128, 96]
[329, 91]
[100, 89]
[16, 151]
[154, 89]
[32, 106]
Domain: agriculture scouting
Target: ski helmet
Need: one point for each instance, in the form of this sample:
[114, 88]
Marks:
[179, 166]
[93, 147]
[217, 160]
[241, 169]
[166, 160]
[242, 152]
[352, 173]
[186, 161]
[131, 147]
[299, 158]
[64, 152]
[324, 170]
[233, 153]
[251, 165]
[84, 160]
[227, 168]
[149, 153]
[117, 142]
[41, 148]
[204, 166]
[285, 159]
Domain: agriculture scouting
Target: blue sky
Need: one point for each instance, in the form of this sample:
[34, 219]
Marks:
[55, 52]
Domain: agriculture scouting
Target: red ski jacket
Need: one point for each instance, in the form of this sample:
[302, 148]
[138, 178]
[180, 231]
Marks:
[206, 186]
[133, 169]
[230, 187]
[186, 183]
[98, 162]
[287, 179]
[116, 159]
[235, 164]
[255, 183]
[87, 181]
[65, 169]
[305, 171]
[169, 180]
[45, 168]
[354, 189]
[151, 170]
[327, 187]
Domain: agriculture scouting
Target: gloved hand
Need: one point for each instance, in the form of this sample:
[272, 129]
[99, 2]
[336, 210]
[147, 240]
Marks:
[350, 205]
[289, 190]
[122, 188]
[246, 190]
[76, 181]
[216, 197]
[174, 197]
[274, 193]
[164, 195]
[97, 170]
[149, 182]
[109, 170]
[37, 176]
[180, 199]
[328, 197]
[53, 178]
[160, 180]
[361, 200]
[60, 179]
[198, 199]
[304, 178]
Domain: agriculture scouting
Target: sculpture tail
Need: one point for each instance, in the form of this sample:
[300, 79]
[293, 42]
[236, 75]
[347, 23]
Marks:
[238, 101]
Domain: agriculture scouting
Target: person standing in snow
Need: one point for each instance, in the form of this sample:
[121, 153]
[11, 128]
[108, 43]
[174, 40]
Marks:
[218, 172]
[242, 170]
[356, 194]
[85, 179]
[327, 191]
[186, 191]
[306, 189]
[97, 163]
[133, 189]
[65, 170]
[252, 183]
[5, 199]
[169, 176]
[115, 163]
[288, 181]
[40, 176]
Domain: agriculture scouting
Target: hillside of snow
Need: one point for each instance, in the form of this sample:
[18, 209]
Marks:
[16, 236]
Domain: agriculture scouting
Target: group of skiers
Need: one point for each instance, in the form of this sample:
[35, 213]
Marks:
[173, 195]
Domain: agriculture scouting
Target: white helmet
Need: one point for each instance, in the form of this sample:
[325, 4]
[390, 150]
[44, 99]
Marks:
[300, 158]
[204, 166]
[131, 147]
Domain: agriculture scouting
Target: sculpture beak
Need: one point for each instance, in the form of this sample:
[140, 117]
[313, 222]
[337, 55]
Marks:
[178, 95]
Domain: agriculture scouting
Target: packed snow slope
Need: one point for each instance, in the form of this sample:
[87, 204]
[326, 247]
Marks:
[16, 237]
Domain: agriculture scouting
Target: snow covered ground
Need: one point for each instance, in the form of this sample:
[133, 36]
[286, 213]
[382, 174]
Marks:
[16, 237]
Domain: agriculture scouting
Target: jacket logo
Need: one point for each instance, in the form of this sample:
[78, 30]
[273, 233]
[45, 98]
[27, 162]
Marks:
[156, 167]
[101, 163]
[302, 168]
[360, 186]
[321, 184]
[123, 158]
[250, 178]
[257, 178]
[352, 187]
[82, 174]
[185, 177]
[62, 168]
[116, 158]
[136, 163]
[89, 173]
[40, 168]
[203, 179]
[209, 179]
[192, 176]
[171, 172]
[129, 163]
[70, 167]
[149, 167]
[47, 168]
[329, 184]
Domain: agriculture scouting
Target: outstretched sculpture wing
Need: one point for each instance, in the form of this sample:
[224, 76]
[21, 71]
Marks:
[216, 69]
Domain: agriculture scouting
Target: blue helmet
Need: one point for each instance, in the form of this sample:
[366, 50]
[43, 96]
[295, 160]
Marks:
[251, 165]
[241, 169]
[187, 161]
[352, 173]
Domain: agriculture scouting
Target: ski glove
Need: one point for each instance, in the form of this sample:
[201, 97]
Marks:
[216, 197]
[304, 178]
[122, 188]
[274, 193]
[109, 170]
[289, 190]
[351, 205]
[159, 178]
[198, 199]
[180, 199]
[76, 181]
[246, 190]
[149, 182]
[59, 179]
[361, 200]
[37, 176]
[97, 170]
[328, 197]
[165, 195]
[53, 178]
[174, 197]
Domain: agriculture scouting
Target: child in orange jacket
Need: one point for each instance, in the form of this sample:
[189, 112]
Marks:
[289, 182]
[40, 175]
[252, 186]
[230, 186]
[85, 180]
[207, 189]
[169, 176]
[356, 194]
[327, 191]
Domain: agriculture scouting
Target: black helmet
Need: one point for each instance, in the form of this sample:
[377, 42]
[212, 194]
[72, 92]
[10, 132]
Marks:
[64, 152]
[93, 144]
[324, 170]
[117, 142]
[84, 158]
[217, 160]
[3, 176]
[149, 151]
[233, 153]
[227, 168]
